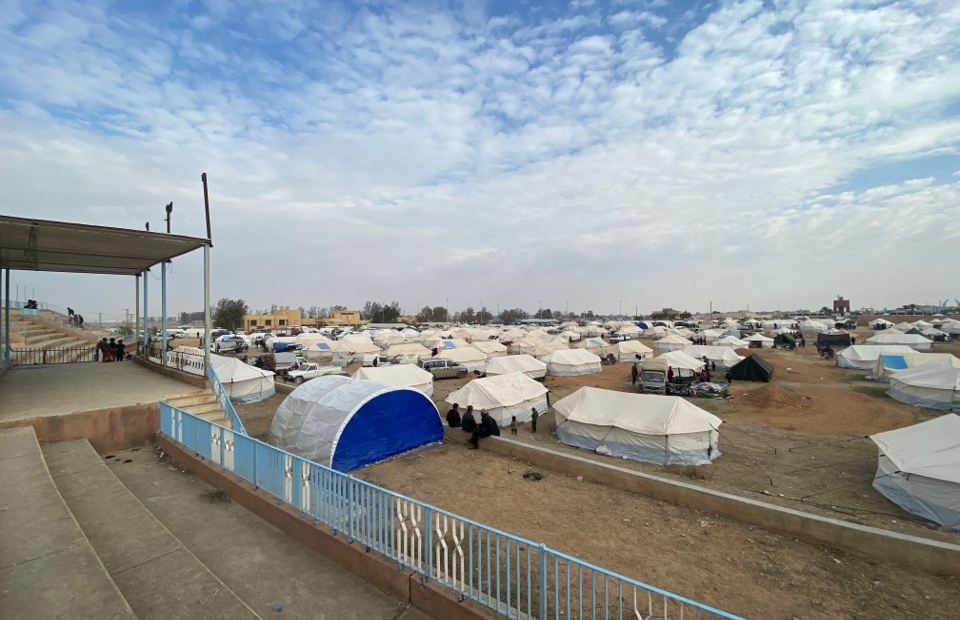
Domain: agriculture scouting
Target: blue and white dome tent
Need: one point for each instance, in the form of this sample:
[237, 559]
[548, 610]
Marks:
[347, 424]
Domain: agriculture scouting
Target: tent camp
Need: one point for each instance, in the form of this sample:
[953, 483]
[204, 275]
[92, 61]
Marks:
[887, 364]
[408, 375]
[919, 469]
[752, 368]
[784, 339]
[914, 341]
[571, 362]
[723, 357]
[864, 356]
[656, 429]
[671, 342]
[931, 385]
[347, 424]
[244, 383]
[503, 396]
[505, 364]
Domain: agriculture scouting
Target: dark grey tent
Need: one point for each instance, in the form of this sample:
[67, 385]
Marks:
[752, 368]
[834, 340]
[784, 340]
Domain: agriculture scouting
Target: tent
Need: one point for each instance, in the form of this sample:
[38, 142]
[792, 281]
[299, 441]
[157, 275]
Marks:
[243, 382]
[570, 362]
[784, 339]
[347, 424]
[834, 340]
[914, 341]
[864, 356]
[492, 348]
[889, 363]
[629, 350]
[470, 357]
[724, 357]
[597, 346]
[732, 341]
[655, 429]
[931, 385]
[752, 368]
[919, 469]
[538, 347]
[683, 364]
[759, 341]
[503, 396]
[412, 351]
[409, 375]
[671, 342]
[505, 364]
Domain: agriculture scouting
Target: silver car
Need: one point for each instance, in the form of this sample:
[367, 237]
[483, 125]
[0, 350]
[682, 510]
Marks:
[443, 368]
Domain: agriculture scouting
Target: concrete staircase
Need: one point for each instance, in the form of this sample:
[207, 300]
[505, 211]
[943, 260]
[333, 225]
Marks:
[128, 535]
[62, 342]
[203, 404]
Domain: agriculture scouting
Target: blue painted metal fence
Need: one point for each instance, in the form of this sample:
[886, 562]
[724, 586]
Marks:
[225, 403]
[516, 577]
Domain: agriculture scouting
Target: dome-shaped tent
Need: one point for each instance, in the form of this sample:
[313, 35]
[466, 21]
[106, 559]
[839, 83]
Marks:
[347, 424]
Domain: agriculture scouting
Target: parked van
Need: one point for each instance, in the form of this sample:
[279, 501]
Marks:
[653, 377]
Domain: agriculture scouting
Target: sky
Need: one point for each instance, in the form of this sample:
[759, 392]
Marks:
[607, 155]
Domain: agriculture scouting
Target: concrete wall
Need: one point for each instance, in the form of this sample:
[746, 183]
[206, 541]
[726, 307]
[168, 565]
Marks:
[432, 599]
[114, 428]
[934, 556]
[200, 382]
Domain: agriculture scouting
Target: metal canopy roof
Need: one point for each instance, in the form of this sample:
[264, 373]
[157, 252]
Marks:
[44, 245]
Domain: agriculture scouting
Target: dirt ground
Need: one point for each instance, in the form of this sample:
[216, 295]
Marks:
[799, 441]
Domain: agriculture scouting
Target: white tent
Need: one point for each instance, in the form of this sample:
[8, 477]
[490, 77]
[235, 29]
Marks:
[931, 385]
[864, 356]
[880, 324]
[472, 358]
[570, 362]
[628, 350]
[408, 375]
[671, 342]
[813, 327]
[887, 364]
[244, 383]
[731, 341]
[682, 363]
[597, 346]
[712, 335]
[765, 343]
[503, 396]
[644, 427]
[388, 337]
[919, 469]
[914, 341]
[492, 348]
[724, 357]
[409, 350]
[537, 347]
[505, 364]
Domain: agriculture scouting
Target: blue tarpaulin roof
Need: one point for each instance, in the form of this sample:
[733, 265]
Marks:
[323, 346]
[448, 344]
[894, 362]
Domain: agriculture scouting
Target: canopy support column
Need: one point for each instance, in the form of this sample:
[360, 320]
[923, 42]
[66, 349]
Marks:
[6, 316]
[146, 316]
[163, 313]
[206, 307]
[141, 344]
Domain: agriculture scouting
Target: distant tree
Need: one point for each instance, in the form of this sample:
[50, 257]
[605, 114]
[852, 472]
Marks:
[510, 317]
[427, 314]
[484, 316]
[824, 311]
[543, 313]
[376, 312]
[467, 316]
[228, 313]
[336, 308]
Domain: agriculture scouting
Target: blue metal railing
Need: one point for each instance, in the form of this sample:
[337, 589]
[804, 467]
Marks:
[223, 396]
[514, 576]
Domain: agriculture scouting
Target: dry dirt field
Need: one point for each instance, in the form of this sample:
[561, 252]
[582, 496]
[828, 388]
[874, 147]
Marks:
[799, 441]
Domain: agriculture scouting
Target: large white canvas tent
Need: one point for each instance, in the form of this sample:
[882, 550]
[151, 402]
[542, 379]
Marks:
[864, 356]
[724, 357]
[914, 341]
[597, 346]
[931, 385]
[408, 350]
[505, 364]
[655, 429]
[765, 343]
[347, 424]
[683, 364]
[887, 364]
[244, 383]
[919, 469]
[731, 341]
[503, 396]
[492, 348]
[571, 362]
[408, 375]
[631, 350]
[538, 347]
[671, 342]
[471, 357]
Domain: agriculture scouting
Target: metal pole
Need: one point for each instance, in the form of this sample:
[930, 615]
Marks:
[136, 313]
[206, 300]
[6, 318]
[146, 313]
[163, 308]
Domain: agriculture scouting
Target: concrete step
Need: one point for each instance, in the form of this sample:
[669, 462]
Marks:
[48, 568]
[204, 408]
[202, 398]
[159, 577]
[217, 417]
[256, 560]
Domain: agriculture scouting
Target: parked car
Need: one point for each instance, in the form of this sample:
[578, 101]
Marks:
[443, 368]
[310, 371]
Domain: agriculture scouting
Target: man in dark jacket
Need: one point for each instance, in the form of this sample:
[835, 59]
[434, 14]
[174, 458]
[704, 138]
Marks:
[453, 416]
[487, 427]
[469, 423]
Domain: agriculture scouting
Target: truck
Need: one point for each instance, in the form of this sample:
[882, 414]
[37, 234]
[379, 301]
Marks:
[653, 377]
[285, 360]
[310, 371]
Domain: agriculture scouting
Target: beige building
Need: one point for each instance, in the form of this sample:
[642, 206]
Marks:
[345, 317]
[280, 318]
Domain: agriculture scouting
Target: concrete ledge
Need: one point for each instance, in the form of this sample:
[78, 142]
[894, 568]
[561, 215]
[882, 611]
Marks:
[114, 428]
[198, 381]
[931, 555]
[370, 566]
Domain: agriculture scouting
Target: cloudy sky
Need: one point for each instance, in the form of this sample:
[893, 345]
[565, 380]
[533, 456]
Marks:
[592, 155]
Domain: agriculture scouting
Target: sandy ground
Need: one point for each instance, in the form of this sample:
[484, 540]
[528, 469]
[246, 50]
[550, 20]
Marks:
[799, 441]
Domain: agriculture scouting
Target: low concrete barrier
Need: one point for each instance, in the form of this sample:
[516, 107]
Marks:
[934, 556]
[113, 428]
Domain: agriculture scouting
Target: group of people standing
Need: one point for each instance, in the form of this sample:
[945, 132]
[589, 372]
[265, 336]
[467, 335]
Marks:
[112, 351]
[486, 427]
[75, 318]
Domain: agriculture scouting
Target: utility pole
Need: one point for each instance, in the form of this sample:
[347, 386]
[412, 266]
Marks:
[100, 319]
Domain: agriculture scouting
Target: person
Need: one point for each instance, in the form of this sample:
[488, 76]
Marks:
[469, 423]
[669, 374]
[853, 340]
[634, 373]
[80, 321]
[102, 350]
[533, 419]
[713, 366]
[487, 427]
[453, 416]
[803, 342]
[121, 350]
[729, 377]
[513, 425]
[112, 350]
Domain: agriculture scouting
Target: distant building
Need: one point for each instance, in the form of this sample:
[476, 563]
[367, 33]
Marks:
[345, 317]
[193, 319]
[841, 306]
[280, 318]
